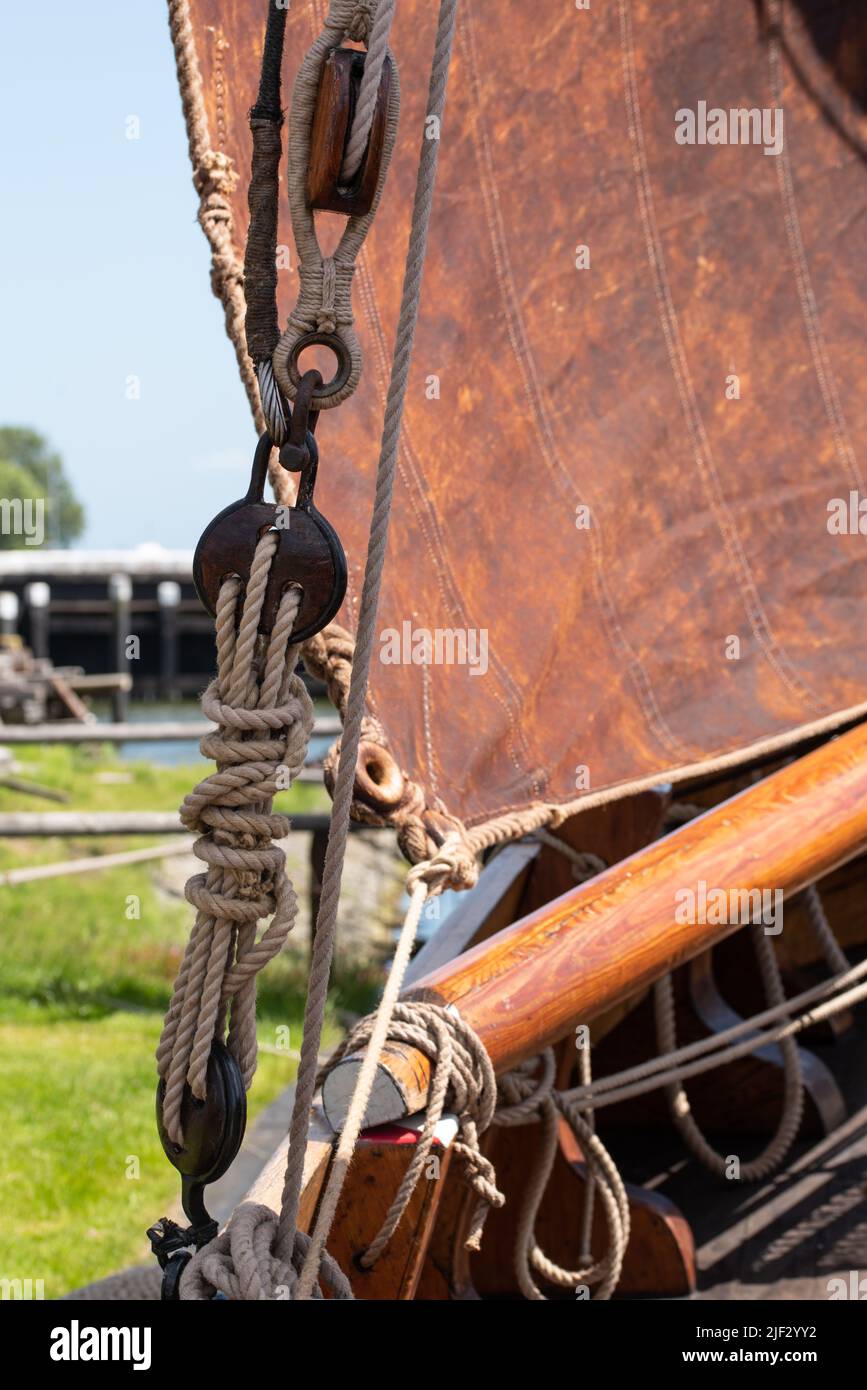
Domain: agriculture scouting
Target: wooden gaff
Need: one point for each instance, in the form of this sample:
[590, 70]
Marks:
[604, 941]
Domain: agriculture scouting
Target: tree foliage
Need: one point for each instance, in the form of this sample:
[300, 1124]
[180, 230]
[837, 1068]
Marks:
[30, 469]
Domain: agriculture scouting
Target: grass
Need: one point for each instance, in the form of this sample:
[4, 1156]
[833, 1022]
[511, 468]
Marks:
[86, 967]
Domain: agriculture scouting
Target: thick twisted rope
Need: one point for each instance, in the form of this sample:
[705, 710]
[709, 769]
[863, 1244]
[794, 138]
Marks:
[241, 1263]
[462, 1083]
[265, 718]
[376, 33]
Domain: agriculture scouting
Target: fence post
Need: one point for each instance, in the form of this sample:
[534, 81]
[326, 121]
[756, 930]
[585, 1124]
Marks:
[120, 593]
[38, 597]
[8, 612]
[168, 597]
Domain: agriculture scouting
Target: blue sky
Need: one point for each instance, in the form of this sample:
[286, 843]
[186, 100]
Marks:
[105, 274]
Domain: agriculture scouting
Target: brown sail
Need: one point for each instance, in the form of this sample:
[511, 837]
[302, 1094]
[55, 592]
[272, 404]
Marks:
[616, 479]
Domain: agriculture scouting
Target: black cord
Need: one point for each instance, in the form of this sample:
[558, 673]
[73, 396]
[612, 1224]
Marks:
[269, 107]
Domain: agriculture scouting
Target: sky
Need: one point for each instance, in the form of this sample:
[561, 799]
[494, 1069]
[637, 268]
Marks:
[105, 275]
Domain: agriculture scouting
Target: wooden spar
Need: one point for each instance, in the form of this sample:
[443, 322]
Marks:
[604, 941]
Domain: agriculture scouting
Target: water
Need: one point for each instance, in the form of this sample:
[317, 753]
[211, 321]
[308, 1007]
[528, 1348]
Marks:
[177, 752]
[172, 753]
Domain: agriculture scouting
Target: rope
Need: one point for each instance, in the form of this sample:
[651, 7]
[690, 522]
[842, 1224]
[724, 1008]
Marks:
[261, 323]
[526, 1098]
[241, 1263]
[327, 917]
[214, 179]
[285, 1239]
[365, 106]
[775, 1150]
[324, 303]
[837, 994]
[584, 864]
[772, 1156]
[835, 956]
[265, 718]
[260, 1255]
[462, 1083]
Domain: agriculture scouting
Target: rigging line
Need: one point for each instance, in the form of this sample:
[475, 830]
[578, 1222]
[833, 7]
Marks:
[261, 322]
[368, 91]
[344, 786]
[839, 1001]
[827, 990]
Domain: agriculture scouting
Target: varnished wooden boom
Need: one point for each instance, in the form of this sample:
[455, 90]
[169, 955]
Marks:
[605, 940]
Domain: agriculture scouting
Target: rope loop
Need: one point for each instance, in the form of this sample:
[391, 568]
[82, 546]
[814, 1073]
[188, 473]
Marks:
[241, 1263]
[526, 1095]
[454, 865]
[462, 1082]
[324, 301]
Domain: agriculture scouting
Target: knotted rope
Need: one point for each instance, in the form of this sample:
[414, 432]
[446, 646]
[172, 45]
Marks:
[214, 179]
[240, 1263]
[462, 1082]
[463, 1078]
[265, 718]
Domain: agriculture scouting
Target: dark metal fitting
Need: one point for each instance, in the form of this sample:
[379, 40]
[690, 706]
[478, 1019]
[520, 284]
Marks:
[213, 1129]
[320, 339]
[300, 449]
[309, 555]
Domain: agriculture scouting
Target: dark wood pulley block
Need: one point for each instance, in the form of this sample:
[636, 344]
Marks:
[309, 553]
[332, 121]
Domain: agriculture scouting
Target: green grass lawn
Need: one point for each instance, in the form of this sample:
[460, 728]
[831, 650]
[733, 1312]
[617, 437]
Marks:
[84, 982]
